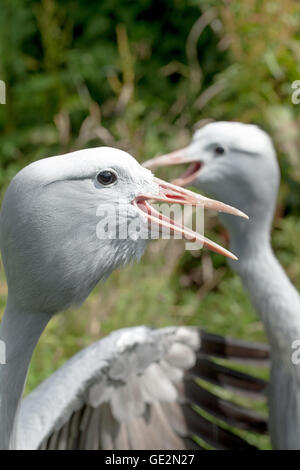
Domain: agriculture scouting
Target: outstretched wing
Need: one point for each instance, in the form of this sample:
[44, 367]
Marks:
[142, 388]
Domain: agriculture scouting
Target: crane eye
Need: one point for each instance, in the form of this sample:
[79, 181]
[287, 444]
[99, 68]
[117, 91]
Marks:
[106, 177]
[219, 150]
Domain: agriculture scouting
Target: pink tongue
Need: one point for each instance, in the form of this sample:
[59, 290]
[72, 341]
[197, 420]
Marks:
[187, 176]
[191, 169]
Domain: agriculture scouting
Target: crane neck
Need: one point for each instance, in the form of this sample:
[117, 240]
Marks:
[270, 290]
[20, 332]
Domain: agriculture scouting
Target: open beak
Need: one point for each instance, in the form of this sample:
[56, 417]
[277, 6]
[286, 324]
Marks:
[176, 158]
[173, 194]
[173, 158]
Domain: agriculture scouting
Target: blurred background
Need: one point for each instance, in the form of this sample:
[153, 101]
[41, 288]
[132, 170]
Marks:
[142, 76]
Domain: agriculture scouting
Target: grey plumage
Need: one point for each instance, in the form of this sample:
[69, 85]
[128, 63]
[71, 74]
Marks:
[98, 404]
[115, 393]
[246, 174]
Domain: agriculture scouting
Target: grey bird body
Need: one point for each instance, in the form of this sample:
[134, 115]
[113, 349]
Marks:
[117, 378]
[136, 388]
[278, 303]
[237, 163]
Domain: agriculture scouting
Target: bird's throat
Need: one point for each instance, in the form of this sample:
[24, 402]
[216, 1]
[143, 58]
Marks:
[271, 293]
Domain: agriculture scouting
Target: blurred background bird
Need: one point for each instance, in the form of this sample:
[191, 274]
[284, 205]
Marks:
[138, 77]
[237, 162]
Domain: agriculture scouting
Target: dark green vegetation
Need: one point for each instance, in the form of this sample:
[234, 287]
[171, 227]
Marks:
[140, 76]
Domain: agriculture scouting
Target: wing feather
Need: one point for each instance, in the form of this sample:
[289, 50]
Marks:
[139, 389]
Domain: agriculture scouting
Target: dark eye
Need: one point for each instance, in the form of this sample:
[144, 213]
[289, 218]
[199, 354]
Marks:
[219, 150]
[106, 177]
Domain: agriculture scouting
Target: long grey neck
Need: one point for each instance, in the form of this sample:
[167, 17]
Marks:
[20, 332]
[271, 292]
